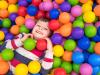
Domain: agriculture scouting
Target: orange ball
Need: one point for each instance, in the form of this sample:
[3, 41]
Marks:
[4, 13]
[97, 48]
[28, 16]
[4, 67]
[67, 56]
[20, 20]
[64, 17]
[97, 10]
[59, 1]
[98, 1]
[12, 1]
[14, 29]
[83, 1]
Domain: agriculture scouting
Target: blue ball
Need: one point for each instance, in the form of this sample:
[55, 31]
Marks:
[98, 31]
[77, 57]
[84, 43]
[23, 3]
[96, 38]
[94, 60]
[9, 36]
[32, 10]
[54, 13]
[96, 70]
[86, 56]
[29, 1]
[5, 30]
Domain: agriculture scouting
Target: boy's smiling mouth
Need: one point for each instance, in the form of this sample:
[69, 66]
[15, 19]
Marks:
[39, 32]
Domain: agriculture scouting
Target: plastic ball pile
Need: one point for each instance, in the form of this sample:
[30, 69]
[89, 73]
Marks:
[75, 27]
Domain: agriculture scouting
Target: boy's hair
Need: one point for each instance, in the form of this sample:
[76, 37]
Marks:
[43, 19]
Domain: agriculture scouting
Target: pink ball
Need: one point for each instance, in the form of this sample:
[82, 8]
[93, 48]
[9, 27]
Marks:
[86, 69]
[72, 18]
[29, 23]
[55, 5]
[76, 11]
[74, 73]
[41, 6]
[97, 24]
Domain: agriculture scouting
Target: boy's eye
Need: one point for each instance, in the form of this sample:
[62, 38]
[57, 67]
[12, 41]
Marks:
[45, 29]
[38, 25]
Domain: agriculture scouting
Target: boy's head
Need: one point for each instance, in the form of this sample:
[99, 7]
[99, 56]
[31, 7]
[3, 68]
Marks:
[41, 29]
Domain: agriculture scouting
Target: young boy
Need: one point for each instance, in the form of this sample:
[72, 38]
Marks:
[40, 31]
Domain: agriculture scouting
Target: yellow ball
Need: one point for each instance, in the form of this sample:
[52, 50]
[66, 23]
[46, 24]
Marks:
[2, 35]
[86, 7]
[3, 4]
[90, 2]
[58, 50]
[34, 67]
[89, 17]
[21, 69]
[12, 8]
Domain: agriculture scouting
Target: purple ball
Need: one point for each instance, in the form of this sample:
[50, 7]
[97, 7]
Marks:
[5, 30]
[9, 36]
[56, 38]
[97, 24]
[77, 33]
[22, 3]
[13, 16]
[65, 7]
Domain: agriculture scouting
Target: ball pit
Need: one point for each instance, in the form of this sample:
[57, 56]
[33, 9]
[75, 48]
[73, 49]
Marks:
[50, 37]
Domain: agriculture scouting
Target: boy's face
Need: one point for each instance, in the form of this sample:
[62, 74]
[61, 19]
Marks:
[41, 30]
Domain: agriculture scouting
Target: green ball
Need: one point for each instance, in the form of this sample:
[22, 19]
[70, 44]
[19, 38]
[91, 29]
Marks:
[6, 23]
[98, 73]
[1, 42]
[70, 45]
[80, 18]
[67, 66]
[78, 23]
[90, 31]
[91, 48]
[73, 2]
[29, 44]
[7, 54]
[76, 67]
[57, 62]
[23, 29]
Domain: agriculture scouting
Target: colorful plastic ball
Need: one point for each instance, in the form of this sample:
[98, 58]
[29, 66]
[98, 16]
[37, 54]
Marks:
[96, 38]
[90, 31]
[23, 29]
[57, 62]
[12, 1]
[97, 24]
[73, 2]
[21, 69]
[96, 70]
[19, 20]
[9, 36]
[55, 5]
[94, 58]
[78, 23]
[97, 48]
[41, 44]
[60, 71]
[54, 25]
[2, 35]
[64, 17]
[67, 56]
[14, 30]
[69, 45]
[84, 43]
[22, 11]
[97, 10]
[13, 16]
[23, 3]
[36, 2]
[59, 1]
[7, 54]
[6, 23]
[5, 30]
[12, 8]
[34, 67]
[32, 10]
[29, 44]
[4, 13]
[86, 69]
[76, 67]
[77, 57]
[77, 33]
[89, 17]
[29, 23]
[91, 48]
[3, 4]
[40, 14]
[56, 38]
[83, 1]
[58, 50]
[4, 67]
[65, 7]
[76, 11]
[28, 16]
[54, 13]
[67, 66]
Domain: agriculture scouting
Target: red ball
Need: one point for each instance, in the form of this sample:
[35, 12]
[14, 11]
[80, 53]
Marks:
[22, 11]
[60, 71]
[41, 44]
[36, 2]
[40, 14]
[54, 25]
